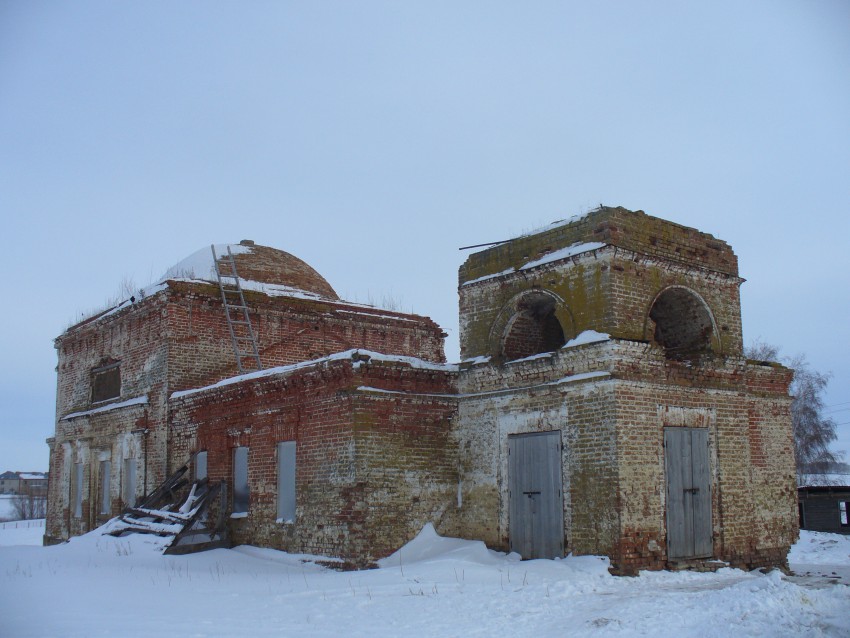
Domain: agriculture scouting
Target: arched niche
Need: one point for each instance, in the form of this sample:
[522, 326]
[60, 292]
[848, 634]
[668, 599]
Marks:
[682, 324]
[533, 322]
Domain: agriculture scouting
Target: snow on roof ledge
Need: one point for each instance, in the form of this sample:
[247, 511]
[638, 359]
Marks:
[271, 290]
[358, 355]
[557, 224]
[582, 376]
[825, 480]
[563, 253]
[587, 336]
[142, 400]
[556, 255]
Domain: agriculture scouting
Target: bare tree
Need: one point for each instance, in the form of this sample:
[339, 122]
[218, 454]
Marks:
[761, 351]
[27, 506]
[813, 431]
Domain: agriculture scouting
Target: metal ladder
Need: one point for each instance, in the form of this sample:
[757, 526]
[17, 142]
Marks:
[241, 331]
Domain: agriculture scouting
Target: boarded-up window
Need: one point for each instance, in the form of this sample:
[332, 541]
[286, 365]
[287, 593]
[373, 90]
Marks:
[77, 503]
[241, 489]
[128, 494]
[201, 465]
[106, 382]
[286, 481]
[105, 471]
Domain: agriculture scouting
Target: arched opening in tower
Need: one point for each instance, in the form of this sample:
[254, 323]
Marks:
[683, 324]
[533, 329]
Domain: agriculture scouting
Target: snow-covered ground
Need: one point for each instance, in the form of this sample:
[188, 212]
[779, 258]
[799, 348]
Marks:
[434, 586]
[21, 533]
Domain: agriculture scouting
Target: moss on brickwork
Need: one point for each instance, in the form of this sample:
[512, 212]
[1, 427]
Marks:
[628, 260]
[582, 303]
[633, 230]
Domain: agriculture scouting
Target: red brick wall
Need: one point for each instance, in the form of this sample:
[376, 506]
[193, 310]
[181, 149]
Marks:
[407, 464]
[613, 464]
[135, 336]
[178, 339]
[288, 331]
[372, 467]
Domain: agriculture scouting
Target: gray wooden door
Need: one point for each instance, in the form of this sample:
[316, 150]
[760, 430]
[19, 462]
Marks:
[688, 493]
[536, 503]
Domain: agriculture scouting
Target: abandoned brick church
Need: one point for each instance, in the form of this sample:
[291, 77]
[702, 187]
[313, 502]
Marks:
[602, 405]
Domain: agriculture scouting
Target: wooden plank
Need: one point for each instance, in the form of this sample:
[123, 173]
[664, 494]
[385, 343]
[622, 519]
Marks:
[676, 543]
[513, 496]
[687, 493]
[167, 489]
[701, 481]
[138, 530]
[553, 503]
[525, 459]
[520, 524]
[533, 487]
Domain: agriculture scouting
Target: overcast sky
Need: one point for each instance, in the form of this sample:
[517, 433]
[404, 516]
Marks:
[372, 139]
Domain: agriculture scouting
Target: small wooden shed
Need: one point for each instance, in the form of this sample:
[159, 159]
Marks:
[824, 508]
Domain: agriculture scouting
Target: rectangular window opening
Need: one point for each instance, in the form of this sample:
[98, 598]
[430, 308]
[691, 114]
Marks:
[842, 508]
[286, 481]
[201, 465]
[241, 489]
[106, 383]
[78, 490]
[105, 502]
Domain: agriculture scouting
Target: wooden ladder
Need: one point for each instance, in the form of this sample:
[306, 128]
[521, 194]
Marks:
[236, 311]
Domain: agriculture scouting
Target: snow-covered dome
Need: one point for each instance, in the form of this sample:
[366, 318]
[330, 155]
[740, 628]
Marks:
[261, 264]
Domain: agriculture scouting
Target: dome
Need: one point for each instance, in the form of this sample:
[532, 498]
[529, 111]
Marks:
[261, 264]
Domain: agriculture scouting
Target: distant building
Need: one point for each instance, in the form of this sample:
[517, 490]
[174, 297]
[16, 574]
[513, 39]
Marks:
[603, 405]
[10, 483]
[33, 483]
[28, 483]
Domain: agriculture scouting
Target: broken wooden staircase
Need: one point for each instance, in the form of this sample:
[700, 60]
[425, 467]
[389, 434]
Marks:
[181, 509]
